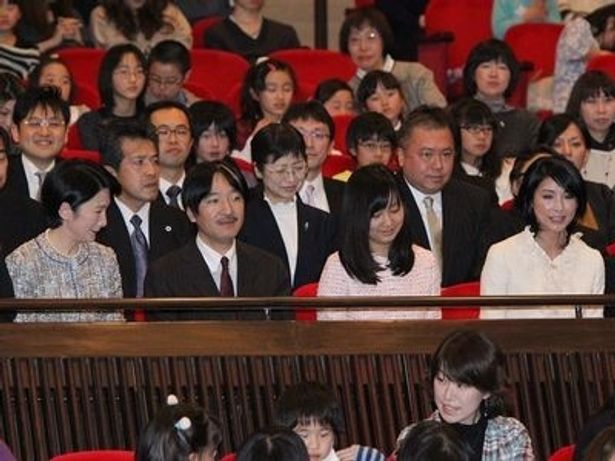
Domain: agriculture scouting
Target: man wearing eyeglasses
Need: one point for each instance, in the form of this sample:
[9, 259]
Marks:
[174, 129]
[40, 121]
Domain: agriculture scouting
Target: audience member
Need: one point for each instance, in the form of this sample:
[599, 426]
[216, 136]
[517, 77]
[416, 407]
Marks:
[311, 411]
[581, 39]
[370, 138]
[592, 103]
[198, 9]
[507, 13]
[179, 432]
[248, 33]
[376, 256]
[276, 220]
[215, 130]
[273, 444]
[599, 421]
[467, 373]
[65, 261]
[475, 160]
[267, 92]
[17, 56]
[602, 447]
[337, 97]
[121, 84]
[52, 71]
[173, 126]
[215, 263]
[381, 92]
[432, 440]
[10, 88]
[366, 36]
[406, 18]
[40, 120]
[546, 257]
[168, 67]
[490, 75]
[139, 228]
[446, 215]
[143, 23]
[318, 130]
[570, 9]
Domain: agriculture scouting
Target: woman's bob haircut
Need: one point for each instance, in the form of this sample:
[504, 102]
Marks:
[490, 50]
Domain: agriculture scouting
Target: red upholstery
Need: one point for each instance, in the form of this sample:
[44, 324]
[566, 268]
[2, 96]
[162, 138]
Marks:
[541, 53]
[199, 90]
[461, 289]
[83, 154]
[74, 139]
[314, 66]
[86, 94]
[335, 164]
[610, 249]
[605, 63]
[96, 455]
[508, 205]
[305, 291]
[233, 97]
[243, 165]
[341, 127]
[563, 454]
[229, 457]
[219, 71]
[84, 64]
[199, 28]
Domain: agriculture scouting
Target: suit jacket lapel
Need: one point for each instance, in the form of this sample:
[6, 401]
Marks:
[417, 228]
[199, 271]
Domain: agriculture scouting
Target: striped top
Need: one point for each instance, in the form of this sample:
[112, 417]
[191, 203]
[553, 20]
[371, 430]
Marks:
[19, 60]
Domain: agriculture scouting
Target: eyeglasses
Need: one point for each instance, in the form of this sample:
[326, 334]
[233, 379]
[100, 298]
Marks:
[477, 129]
[181, 131]
[164, 82]
[316, 135]
[126, 73]
[374, 146]
[38, 123]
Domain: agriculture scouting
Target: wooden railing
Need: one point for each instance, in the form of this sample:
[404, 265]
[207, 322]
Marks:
[65, 387]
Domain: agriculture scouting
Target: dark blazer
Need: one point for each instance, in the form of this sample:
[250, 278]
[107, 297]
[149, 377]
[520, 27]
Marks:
[169, 229]
[316, 237]
[334, 190]
[483, 182]
[22, 220]
[16, 181]
[465, 219]
[184, 273]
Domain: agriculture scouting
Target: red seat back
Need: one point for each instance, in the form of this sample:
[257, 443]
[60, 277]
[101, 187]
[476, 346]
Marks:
[96, 455]
[199, 28]
[74, 138]
[92, 155]
[459, 290]
[83, 63]
[309, 290]
[605, 63]
[563, 454]
[86, 94]
[218, 71]
[335, 164]
[314, 66]
[341, 127]
[541, 53]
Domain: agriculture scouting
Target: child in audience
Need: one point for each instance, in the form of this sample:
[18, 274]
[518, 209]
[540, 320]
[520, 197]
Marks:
[267, 91]
[215, 130]
[336, 95]
[17, 56]
[10, 88]
[381, 92]
[121, 84]
[431, 440]
[602, 447]
[592, 102]
[467, 373]
[273, 444]
[52, 71]
[370, 139]
[311, 410]
[179, 432]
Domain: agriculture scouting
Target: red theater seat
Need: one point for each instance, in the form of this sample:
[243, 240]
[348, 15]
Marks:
[563, 454]
[459, 290]
[199, 28]
[314, 66]
[218, 71]
[605, 63]
[92, 155]
[309, 290]
[96, 455]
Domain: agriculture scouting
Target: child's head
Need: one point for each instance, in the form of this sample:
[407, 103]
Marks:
[273, 444]
[267, 91]
[214, 129]
[311, 410]
[380, 91]
[10, 88]
[168, 65]
[122, 76]
[592, 102]
[371, 139]
[180, 432]
[10, 14]
[336, 95]
[52, 71]
[280, 161]
[433, 440]
[602, 22]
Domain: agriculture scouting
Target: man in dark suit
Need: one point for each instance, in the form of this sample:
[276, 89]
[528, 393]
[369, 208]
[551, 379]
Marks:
[139, 229]
[446, 215]
[215, 263]
[277, 220]
[40, 127]
[318, 130]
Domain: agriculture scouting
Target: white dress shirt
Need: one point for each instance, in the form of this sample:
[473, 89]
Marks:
[320, 196]
[437, 207]
[285, 215]
[127, 215]
[164, 186]
[212, 259]
[30, 169]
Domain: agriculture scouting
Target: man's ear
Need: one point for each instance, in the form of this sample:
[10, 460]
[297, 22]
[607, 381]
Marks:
[400, 156]
[257, 172]
[111, 171]
[15, 133]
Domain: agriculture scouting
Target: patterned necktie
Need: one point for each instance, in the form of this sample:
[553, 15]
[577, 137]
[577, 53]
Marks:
[40, 175]
[173, 194]
[435, 229]
[226, 284]
[309, 194]
[139, 249]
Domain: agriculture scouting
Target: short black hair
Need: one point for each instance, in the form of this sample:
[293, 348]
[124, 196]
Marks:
[309, 402]
[490, 50]
[327, 89]
[369, 126]
[110, 61]
[74, 182]
[10, 87]
[599, 18]
[310, 110]
[433, 440]
[552, 127]
[273, 444]
[47, 97]
[200, 178]
[48, 59]
[591, 84]
[369, 190]
[429, 117]
[207, 113]
[5, 138]
[370, 83]
[164, 105]
[275, 141]
[366, 17]
[565, 174]
[170, 52]
[471, 358]
[118, 130]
